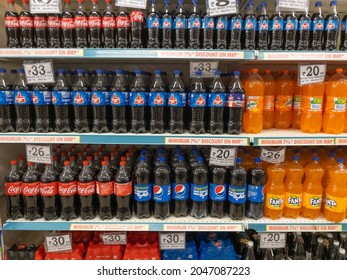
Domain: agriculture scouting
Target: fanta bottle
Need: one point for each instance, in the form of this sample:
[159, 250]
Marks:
[312, 196]
[336, 192]
[326, 165]
[335, 104]
[274, 192]
[247, 161]
[284, 100]
[293, 189]
[296, 114]
[269, 100]
[253, 115]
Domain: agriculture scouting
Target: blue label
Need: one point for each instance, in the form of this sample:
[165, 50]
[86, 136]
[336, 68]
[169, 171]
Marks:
[180, 191]
[236, 100]
[100, 98]
[198, 99]
[180, 23]
[80, 98]
[249, 24]
[222, 24]
[61, 97]
[291, 24]
[162, 193]
[42, 97]
[236, 24]
[255, 193]
[263, 25]
[142, 192]
[277, 24]
[305, 24]
[318, 25]
[6, 97]
[118, 98]
[217, 99]
[157, 99]
[237, 195]
[138, 99]
[332, 24]
[153, 22]
[199, 192]
[177, 99]
[194, 22]
[23, 97]
[166, 23]
[218, 192]
[208, 23]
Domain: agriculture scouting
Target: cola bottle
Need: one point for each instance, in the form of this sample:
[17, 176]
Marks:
[67, 188]
[54, 30]
[96, 163]
[21, 165]
[123, 26]
[81, 26]
[221, 32]
[166, 26]
[73, 165]
[199, 189]
[123, 190]
[12, 26]
[6, 104]
[198, 104]
[68, 26]
[250, 24]
[218, 191]
[180, 26]
[291, 28]
[194, 27]
[276, 31]
[137, 29]
[104, 190]
[41, 28]
[13, 191]
[138, 102]
[109, 26]
[343, 45]
[304, 31]
[42, 100]
[318, 25]
[56, 165]
[332, 27]
[157, 101]
[31, 193]
[180, 187]
[263, 24]
[95, 26]
[49, 193]
[26, 24]
[86, 191]
[236, 23]
[208, 27]
[216, 104]
[153, 25]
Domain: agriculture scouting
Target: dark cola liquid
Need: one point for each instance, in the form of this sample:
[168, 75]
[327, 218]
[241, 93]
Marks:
[12, 29]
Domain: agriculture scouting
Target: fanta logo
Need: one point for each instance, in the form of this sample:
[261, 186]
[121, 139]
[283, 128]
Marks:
[115, 99]
[35, 99]
[331, 25]
[95, 99]
[158, 100]
[276, 201]
[139, 100]
[20, 98]
[290, 25]
[219, 190]
[276, 25]
[196, 23]
[173, 100]
[180, 189]
[305, 25]
[158, 191]
[54, 99]
[155, 23]
[249, 24]
[330, 203]
[319, 25]
[211, 23]
[218, 244]
[237, 24]
[315, 201]
[294, 200]
[79, 99]
[166, 23]
[218, 100]
[220, 24]
[200, 101]
[264, 25]
[179, 24]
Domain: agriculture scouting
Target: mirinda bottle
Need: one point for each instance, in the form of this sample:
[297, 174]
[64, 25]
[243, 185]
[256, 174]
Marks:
[312, 196]
[274, 192]
[284, 100]
[296, 114]
[253, 114]
[293, 189]
[336, 193]
[269, 100]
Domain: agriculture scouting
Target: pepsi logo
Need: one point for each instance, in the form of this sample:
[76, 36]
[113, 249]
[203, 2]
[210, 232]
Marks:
[220, 24]
[211, 23]
[158, 100]
[166, 23]
[20, 98]
[200, 101]
[115, 99]
[217, 244]
[290, 25]
[173, 100]
[139, 100]
[179, 24]
[180, 189]
[158, 191]
[219, 190]
[79, 99]
[96, 99]
[305, 25]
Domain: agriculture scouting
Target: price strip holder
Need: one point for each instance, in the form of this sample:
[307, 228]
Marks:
[223, 156]
[45, 6]
[39, 153]
[207, 69]
[56, 242]
[273, 155]
[114, 238]
[270, 240]
[311, 74]
[292, 5]
[222, 7]
[172, 240]
[136, 4]
[39, 72]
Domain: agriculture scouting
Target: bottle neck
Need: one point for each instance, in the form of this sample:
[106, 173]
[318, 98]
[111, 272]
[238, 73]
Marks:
[263, 10]
[333, 10]
[25, 7]
[81, 7]
[319, 10]
[10, 7]
[153, 7]
[95, 7]
[109, 7]
[166, 8]
[67, 7]
[195, 9]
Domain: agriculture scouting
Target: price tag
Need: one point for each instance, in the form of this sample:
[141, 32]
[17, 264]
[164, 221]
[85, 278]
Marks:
[39, 153]
[272, 240]
[222, 7]
[223, 156]
[273, 155]
[45, 7]
[207, 69]
[114, 238]
[171, 241]
[137, 4]
[310, 74]
[293, 5]
[58, 243]
[39, 72]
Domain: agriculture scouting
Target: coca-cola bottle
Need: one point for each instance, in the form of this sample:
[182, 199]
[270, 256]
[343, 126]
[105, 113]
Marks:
[13, 191]
[137, 26]
[94, 21]
[12, 26]
[31, 193]
[68, 26]
[81, 26]
[21, 165]
[104, 190]
[54, 30]
[49, 193]
[86, 191]
[26, 24]
[40, 26]
[123, 190]
[123, 26]
[109, 26]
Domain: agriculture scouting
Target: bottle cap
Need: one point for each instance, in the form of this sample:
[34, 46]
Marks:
[67, 1]
[200, 160]
[315, 158]
[66, 163]
[267, 71]
[123, 158]
[29, 163]
[72, 158]
[85, 162]
[180, 158]
[20, 157]
[342, 251]
[21, 70]
[108, 1]
[25, 1]
[10, 1]
[99, 71]
[318, 4]
[218, 72]
[177, 72]
[2, 70]
[61, 71]
[119, 72]
[162, 159]
[104, 162]
[255, 70]
[333, 3]
[89, 158]
[14, 71]
[122, 163]
[340, 160]
[257, 160]
[339, 70]
[80, 1]
[285, 71]
[142, 158]
[237, 73]
[263, 4]
[138, 72]
[296, 158]
[198, 73]
[13, 162]
[157, 72]
[320, 240]
[239, 160]
[336, 243]
[250, 243]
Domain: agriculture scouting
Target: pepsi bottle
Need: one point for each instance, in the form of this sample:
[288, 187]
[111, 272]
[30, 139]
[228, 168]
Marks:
[235, 105]
[216, 104]
[153, 25]
[138, 102]
[42, 99]
[180, 27]
[194, 27]
[276, 31]
[304, 32]
[236, 24]
[208, 27]
[86, 192]
[318, 25]
[221, 32]
[291, 27]
[263, 27]
[332, 27]
[166, 26]
[180, 187]
[123, 190]
[13, 191]
[343, 45]
[218, 191]
[249, 27]
[199, 189]
[6, 104]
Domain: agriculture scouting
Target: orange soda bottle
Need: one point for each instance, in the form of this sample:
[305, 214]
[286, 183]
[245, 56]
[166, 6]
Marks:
[284, 100]
[247, 161]
[336, 192]
[274, 192]
[269, 100]
[326, 165]
[253, 114]
[296, 114]
[312, 196]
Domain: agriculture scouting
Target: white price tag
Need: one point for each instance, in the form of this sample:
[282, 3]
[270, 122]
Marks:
[293, 5]
[222, 7]
[172, 241]
[223, 156]
[39, 72]
[273, 155]
[207, 69]
[310, 74]
[39, 153]
[58, 243]
[114, 238]
[272, 240]
[45, 7]
[136, 4]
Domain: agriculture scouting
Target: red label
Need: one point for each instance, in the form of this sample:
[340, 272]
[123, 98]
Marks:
[31, 189]
[12, 22]
[136, 16]
[81, 22]
[123, 189]
[49, 189]
[122, 22]
[40, 22]
[94, 22]
[104, 189]
[26, 22]
[68, 189]
[86, 189]
[109, 22]
[54, 22]
[67, 23]
[13, 188]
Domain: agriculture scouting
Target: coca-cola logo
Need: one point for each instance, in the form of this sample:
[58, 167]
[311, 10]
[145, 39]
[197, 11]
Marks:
[67, 23]
[26, 22]
[137, 16]
[54, 22]
[81, 22]
[40, 22]
[94, 22]
[49, 189]
[11, 22]
[85, 190]
[68, 190]
[13, 188]
[122, 22]
[31, 189]
[109, 22]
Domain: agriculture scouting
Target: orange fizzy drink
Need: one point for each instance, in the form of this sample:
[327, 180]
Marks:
[269, 100]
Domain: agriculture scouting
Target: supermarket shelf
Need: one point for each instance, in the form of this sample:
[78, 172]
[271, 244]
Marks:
[302, 55]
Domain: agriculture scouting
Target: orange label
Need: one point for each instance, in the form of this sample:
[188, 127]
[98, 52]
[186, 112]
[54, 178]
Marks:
[293, 200]
[312, 201]
[254, 104]
[335, 104]
[297, 103]
[335, 204]
[269, 103]
[284, 103]
[274, 201]
[312, 104]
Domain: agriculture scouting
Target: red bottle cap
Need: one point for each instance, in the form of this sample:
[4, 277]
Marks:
[112, 154]
[80, 1]
[107, 158]
[55, 158]
[67, 1]
[72, 158]
[13, 162]
[29, 163]
[66, 163]
[12, 1]
[80, 154]
[108, 1]
[123, 158]
[85, 162]
[20, 157]
[89, 158]
[104, 163]
[25, 1]
[122, 163]
[63, 154]
[96, 154]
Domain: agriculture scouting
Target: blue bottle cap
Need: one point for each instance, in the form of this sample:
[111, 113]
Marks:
[296, 158]
[198, 73]
[162, 159]
[318, 4]
[180, 2]
[315, 158]
[153, 2]
[195, 2]
[181, 158]
[263, 4]
[138, 72]
[61, 71]
[238, 160]
[167, 2]
[332, 154]
[80, 71]
[250, 2]
[21, 70]
[333, 3]
[157, 72]
[13, 71]
[340, 160]
[142, 158]
[237, 73]
[2, 70]
[119, 72]
[100, 71]
[177, 72]
[218, 72]
[257, 160]
[200, 160]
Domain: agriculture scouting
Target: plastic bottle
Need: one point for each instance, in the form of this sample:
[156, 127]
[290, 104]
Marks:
[180, 187]
[250, 251]
[304, 30]
[123, 190]
[343, 40]
[68, 26]
[49, 193]
[123, 28]
[6, 104]
[137, 25]
[332, 27]
[180, 26]
[95, 26]
[13, 191]
[221, 32]
[81, 26]
[276, 31]
[42, 100]
[104, 191]
[269, 100]
[263, 28]
[26, 24]
[109, 26]
[218, 191]
[199, 189]
[194, 27]
[327, 164]
[31, 193]
[153, 25]
[297, 104]
[216, 104]
[41, 28]
[54, 30]
[236, 24]
[249, 27]
[166, 26]
[318, 26]
[12, 26]
[138, 101]
[290, 31]
[299, 248]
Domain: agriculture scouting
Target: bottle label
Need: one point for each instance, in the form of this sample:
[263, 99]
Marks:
[104, 189]
[6, 97]
[54, 22]
[177, 99]
[162, 193]
[249, 24]
[122, 22]
[208, 23]
[236, 24]
[254, 104]
[100, 98]
[284, 103]
[80, 98]
[276, 24]
[180, 23]
[335, 204]
[81, 22]
[269, 103]
[42, 97]
[274, 201]
[13, 188]
[255, 193]
[332, 24]
[23, 97]
[194, 23]
[67, 189]
[12, 22]
[26, 22]
[49, 189]
[217, 100]
[237, 195]
[312, 201]
[291, 24]
[30, 189]
[166, 23]
[198, 100]
[318, 25]
[312, 104]
[305, 24]
[297, 103]
[61, 97]
[123, 189]
[143, 192]
[137, 16]
[235, 100]
[138, 99]
[94, 22]
[292, 200]
[67, 23]
[180, 191]
[335, 104]
[157, 99]
[153, 22]
[109, 22]
[199, 192]
[118, 98]
[218, 192]
[343, 25]
[222, 24]
[263, 25]
[40, 22]
[86, 189]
